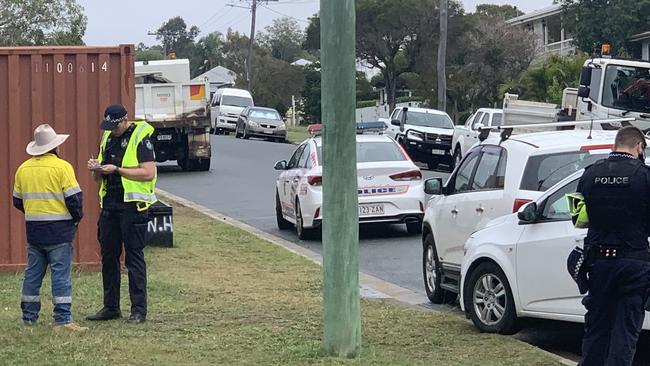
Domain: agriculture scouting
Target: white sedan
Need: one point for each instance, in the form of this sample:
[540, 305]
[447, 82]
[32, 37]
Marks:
[390, 186]
[516, 266]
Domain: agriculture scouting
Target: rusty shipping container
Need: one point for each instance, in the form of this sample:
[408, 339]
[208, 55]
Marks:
[69, 88]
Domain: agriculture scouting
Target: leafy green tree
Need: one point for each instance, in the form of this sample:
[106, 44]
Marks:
[175, 37]
[284, 38]
[207, 54]
[312, 36]
[37, 22]
[504, 12]
[145, 53]
[546, 82]
[312, 93]
[604, 21]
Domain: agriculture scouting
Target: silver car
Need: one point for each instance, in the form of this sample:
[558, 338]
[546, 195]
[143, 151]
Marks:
[261, 122]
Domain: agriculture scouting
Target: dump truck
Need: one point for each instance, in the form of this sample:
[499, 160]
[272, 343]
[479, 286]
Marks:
[180, 115]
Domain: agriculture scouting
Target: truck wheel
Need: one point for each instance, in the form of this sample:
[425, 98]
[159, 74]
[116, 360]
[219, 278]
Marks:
[202, 165]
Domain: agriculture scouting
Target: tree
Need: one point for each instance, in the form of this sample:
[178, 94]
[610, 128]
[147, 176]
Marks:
[504, 12]
[312, 93]
[175, 37]
[207, 53]
[284, 38]
[603, 21]
[312, 36]
[145, 53]
[36, 22]
[499, 53]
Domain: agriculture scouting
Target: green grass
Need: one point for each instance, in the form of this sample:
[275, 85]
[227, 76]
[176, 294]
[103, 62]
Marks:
[297, 134]
[224, 297]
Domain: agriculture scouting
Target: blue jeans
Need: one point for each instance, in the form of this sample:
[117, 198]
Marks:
[59, 258]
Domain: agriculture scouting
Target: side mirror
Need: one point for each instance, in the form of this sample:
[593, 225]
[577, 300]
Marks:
[585, 76]
[528, 214]
[396, 122]
[281, 165]
[433, 186]
[584, 91]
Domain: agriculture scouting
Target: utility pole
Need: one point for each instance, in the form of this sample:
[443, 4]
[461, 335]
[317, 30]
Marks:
[442, 57]
[249, 59]
[341, 308]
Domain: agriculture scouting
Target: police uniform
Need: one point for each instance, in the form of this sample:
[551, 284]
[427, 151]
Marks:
[124, 219]
[616, 193]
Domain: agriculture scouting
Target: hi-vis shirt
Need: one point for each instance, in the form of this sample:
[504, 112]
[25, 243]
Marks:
[46, 190]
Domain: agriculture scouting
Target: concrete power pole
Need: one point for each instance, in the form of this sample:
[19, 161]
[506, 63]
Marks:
[251, 39]
[442, 57]
[341, 308]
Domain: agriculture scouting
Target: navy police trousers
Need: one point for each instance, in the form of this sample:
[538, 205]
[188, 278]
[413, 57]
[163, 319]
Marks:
[615, 311]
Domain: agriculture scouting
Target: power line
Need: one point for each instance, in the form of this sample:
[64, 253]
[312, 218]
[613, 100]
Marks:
[286, 15]
[214, 15]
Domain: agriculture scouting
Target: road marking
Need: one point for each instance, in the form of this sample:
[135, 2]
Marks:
[370, 287]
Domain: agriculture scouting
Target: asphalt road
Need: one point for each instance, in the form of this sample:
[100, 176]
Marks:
[241, 184]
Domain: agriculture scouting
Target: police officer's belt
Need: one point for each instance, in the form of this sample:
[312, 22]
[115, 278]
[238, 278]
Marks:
[605, 252]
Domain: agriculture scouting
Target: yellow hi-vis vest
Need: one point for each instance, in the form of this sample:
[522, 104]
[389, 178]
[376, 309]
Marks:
[134, 191]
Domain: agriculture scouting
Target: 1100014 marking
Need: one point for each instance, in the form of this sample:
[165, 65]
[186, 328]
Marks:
[69, 67]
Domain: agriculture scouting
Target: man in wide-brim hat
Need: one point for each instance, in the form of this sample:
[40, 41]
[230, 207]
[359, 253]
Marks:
[46, 190]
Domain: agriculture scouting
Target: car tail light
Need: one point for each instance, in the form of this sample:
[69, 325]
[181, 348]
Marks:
[317, 213]
[410, 175]
[315, 180]
[518, 203]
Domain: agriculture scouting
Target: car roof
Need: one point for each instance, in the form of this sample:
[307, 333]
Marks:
[489, 110]
[427, 110]
[263, 108]
[558, 139]
[360, 138]
[236, 92]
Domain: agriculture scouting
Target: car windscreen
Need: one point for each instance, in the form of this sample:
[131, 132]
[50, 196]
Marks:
[544, 171]
[257, 113]
[373, 152]
[236, 101]
[627, 87]
[429, 120]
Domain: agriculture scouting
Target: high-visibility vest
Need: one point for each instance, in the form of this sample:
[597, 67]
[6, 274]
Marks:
[578, 210]
[43, 183]
[134, 191]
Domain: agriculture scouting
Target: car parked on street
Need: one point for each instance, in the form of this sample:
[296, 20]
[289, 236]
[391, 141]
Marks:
[261, 122]
[390, 186]
[516, 266]
[466, 136]
[426, 134]
[225, 108]
[496, 178]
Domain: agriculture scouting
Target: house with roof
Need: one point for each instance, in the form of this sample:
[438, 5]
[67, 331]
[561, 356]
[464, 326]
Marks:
[218, 77]
[550, 35]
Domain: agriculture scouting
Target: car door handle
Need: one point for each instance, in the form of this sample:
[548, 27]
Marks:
[454, 211]
[480, 209]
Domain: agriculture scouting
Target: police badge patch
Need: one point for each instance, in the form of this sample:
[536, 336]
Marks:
[125, 142]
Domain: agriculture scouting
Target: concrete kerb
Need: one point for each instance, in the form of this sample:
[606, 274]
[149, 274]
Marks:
[370, 286]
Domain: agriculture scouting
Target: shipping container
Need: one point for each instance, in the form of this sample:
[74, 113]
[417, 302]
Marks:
[68, 88]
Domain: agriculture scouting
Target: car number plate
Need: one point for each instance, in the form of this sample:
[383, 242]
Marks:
[164, 137]
[268, 132]
[371, 210]
[438, 152]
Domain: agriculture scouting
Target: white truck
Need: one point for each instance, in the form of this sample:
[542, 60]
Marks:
[465, 136]
[179, 113]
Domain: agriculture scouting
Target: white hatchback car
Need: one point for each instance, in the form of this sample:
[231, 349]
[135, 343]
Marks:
[496, 178]
[390, 186]
[516, 266]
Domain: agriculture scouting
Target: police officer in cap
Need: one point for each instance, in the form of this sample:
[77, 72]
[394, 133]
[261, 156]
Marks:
[126, 169]
[617, 196]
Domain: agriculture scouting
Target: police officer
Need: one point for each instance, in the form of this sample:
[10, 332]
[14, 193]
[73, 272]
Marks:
[127, 171]
[616, 192]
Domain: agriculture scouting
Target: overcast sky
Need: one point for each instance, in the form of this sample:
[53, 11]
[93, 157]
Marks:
[128, 21]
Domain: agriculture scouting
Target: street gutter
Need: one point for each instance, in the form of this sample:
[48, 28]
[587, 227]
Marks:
[370, 287]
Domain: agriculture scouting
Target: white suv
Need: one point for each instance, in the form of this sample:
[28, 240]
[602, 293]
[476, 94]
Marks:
[496, 178]
[466, 136]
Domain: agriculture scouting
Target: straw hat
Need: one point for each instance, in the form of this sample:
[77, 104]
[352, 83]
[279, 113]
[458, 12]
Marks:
[45, 140]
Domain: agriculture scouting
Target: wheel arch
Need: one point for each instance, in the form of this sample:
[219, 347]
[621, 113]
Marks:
[502, 263]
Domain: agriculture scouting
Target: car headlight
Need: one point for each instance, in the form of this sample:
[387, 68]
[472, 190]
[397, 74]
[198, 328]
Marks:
[282, 126]
[416, 136]
[252, 123]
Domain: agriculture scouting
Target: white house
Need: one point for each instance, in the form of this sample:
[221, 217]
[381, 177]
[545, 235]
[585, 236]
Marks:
[546, 25]
[644, 39]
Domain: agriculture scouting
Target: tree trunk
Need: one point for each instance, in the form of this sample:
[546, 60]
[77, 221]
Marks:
[442, 57]
[391, 86]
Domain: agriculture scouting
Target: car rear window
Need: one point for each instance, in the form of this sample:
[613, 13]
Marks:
[373, 152]
[544, 171]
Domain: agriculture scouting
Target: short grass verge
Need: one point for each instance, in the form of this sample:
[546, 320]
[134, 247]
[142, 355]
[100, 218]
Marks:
[297, 134]
[224, 297]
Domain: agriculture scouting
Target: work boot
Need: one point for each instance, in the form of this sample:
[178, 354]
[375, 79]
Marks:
[105, 314]
[74, 327]
[136, 319]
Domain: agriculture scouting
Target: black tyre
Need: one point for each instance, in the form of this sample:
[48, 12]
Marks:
[237, 134]
[282, 223]
[431, 273]
[245, 135]
[227, 133]
[432, 166]
[303, 234]
[488, 300]
[202, 165]
[455, 161]
[414, 228]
